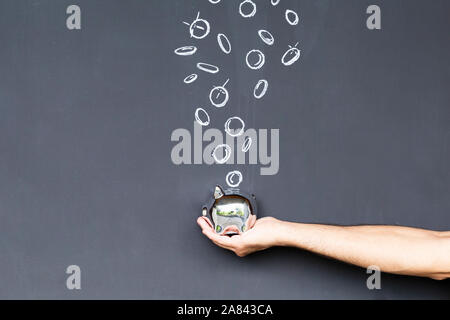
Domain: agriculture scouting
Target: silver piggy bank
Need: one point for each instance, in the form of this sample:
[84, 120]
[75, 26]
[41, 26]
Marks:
[230, 212]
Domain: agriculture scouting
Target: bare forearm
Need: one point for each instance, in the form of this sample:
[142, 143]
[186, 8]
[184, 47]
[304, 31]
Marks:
[393, 249]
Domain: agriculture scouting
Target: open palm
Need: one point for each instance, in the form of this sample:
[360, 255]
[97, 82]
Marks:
[259, 237]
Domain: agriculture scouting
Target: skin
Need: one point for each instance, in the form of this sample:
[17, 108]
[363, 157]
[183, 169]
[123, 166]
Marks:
[399, 250]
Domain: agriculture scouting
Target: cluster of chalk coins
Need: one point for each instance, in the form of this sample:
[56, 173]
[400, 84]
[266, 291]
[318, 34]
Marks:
[219, 96]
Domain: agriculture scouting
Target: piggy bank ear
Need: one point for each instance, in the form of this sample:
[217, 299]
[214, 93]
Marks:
[218, 192]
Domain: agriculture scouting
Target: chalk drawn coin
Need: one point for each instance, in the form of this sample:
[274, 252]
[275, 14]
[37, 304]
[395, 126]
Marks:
[219, 95]
[224, 43]
[235, 132]
[221, 147]
[214, 1]
[255, 59]
[260, 89]
[247, 144]
[274, 2]
[266, 37]
[291, 17]
[186, 51]
[190, 78]
[234, 179]
[201, 113]
[199, 28]
[207, 67]
[247, 8]
[291, 55]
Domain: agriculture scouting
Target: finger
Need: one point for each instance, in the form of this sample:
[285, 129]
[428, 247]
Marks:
[216, 238]
[204, 223]
[208, 230]
[209, 222]
[222, 241]
[222, 246]
[252, 221]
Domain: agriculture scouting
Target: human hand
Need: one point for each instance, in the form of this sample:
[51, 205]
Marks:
[261, 236]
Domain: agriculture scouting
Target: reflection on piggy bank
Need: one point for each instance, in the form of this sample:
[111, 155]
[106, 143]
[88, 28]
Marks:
[230, 212]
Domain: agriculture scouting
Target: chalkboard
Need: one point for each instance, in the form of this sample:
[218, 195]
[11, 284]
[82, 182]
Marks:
[88, 110]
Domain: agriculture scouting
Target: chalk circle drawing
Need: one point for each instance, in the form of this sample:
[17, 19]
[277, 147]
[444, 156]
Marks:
[247, 8]
[214, 1]
[274, 2]
[255, 59]
[186, 51]
[207, 67]
[234, 179]
[266, 37]
[261, 89]
[234, 132]
[190, 78]
[226, 157]
[199, 28]
[247, 144]
[201, 113]
[291, 17]
[219, 95]
[224, 43]
[291, 55]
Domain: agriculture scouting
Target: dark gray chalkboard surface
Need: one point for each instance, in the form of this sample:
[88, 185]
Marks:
[86, 118]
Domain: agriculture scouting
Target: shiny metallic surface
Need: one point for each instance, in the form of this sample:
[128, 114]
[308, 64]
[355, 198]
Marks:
[231, 213]
[218, 193]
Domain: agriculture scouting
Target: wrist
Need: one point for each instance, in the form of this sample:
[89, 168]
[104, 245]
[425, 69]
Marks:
[282, 235]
